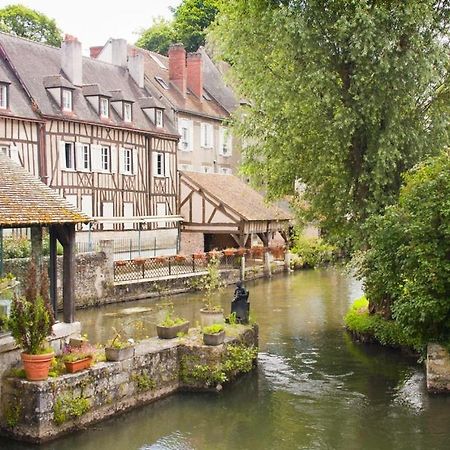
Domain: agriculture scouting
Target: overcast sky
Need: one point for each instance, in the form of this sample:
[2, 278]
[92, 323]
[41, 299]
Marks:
[94, 21]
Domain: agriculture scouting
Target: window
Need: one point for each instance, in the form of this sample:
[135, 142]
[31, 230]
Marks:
[85, 159]
[163, 84]
[207, 169]
[206, 130]
[66, 100]
[4, 100]
[127, 160]
[159, 118]
[106, 158]
[104, 107]
[184, 138]
[159, 169]
[72, 199]
[185, 128]
[69, 156]
[225, 142]
[11, 151]
[226, 170]
[127, 110]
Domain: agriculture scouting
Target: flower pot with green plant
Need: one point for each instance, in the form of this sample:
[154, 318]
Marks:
[78, 358]
[214, 334]
[30, 323]
[171, 326]
[119, 348]
[211, 284]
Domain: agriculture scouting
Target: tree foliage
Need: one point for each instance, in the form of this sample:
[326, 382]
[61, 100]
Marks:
[28, 23]
[189, 26]
[158, 37]
[342, 95]
[406, 271]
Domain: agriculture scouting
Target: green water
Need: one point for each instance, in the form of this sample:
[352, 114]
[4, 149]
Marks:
[313, 389]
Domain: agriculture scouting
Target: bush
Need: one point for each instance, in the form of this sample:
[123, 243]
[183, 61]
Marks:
[312, 252]
[20, 247]
[386, 332]
[406, 271]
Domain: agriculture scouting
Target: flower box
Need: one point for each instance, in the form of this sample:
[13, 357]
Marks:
[139, 261]
[121, 263]
[214, 339]
[78, 365]
[229, 251]
[199, 256]
[172, 332]
[241, 251]
[180, 258]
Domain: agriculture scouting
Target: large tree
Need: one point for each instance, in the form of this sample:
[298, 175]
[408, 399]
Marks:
[189, 26]
[30, 24]
[342, 97]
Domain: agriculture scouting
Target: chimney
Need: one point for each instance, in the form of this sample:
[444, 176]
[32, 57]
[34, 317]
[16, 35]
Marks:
[95, 51]
[177, 67]
[119, 52]
[71, 59]
[195, 74]
[136, 67]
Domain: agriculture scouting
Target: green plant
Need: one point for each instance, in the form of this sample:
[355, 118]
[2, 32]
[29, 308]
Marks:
[170, 320]
[211, 284]
[57, 368]
[31, 318]
[118, 341]
[69, 407]
[143, 382]
[213, 329]
[311, 252]
[12, 414]
[232, 319]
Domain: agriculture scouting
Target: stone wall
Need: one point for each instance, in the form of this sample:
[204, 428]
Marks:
[438, 369]
[41, 411]
[191, 243]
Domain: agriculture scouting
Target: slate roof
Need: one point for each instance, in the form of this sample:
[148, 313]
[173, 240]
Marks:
[36, 62]
[238, 196]
[190, 103]
[25, 200]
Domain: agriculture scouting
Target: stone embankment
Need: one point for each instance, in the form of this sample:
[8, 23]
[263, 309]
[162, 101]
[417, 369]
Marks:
[41, 411]
[438, 369]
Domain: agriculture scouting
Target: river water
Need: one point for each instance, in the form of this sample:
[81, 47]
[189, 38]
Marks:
[313, 389]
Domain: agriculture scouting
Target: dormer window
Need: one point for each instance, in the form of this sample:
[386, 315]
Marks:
[159, 121]
[67, 100]
[4, 96]
[127, 112]
[104, 107]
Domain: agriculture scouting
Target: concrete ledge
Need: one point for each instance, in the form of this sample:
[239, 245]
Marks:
[41, 411]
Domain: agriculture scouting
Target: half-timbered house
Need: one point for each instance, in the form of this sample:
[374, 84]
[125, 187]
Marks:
[95, 133]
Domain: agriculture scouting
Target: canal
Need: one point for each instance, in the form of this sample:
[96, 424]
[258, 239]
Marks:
[314, 388]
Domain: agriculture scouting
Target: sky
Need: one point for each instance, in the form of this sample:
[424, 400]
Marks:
[94, 21]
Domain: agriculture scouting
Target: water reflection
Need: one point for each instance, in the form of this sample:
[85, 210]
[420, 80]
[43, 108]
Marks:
[314, 387]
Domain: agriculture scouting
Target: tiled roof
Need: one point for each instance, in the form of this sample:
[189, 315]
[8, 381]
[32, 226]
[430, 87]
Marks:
[237, 195]
[35, 63]
[25, 200]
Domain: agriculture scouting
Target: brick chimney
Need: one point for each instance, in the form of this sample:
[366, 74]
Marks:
[177, 67]
[72, 60]
[136, 67]
[195, 74]
[95, 51]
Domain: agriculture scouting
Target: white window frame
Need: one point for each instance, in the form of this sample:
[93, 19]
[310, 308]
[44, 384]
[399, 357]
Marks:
[4, 96]
[127, 112]
[160, 160]
[185, 129]
[159, 121]
[106, 164]
[69, 149]
[225, 142]
[128, 162]
[87, 208]
[206, 135]
[104, 112]
[67, 100]
[85, 162]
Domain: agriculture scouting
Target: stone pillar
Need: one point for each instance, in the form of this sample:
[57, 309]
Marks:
[242, 268]
[267, 261]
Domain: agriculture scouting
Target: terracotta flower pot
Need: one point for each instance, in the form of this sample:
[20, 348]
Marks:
[37, 366]
[214, 339]
[172, 332]
[79, 365]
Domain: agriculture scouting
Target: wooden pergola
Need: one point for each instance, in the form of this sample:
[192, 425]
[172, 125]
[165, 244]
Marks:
[26, 202]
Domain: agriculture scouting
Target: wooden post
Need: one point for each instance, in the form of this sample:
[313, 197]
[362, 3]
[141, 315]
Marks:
[53, 270]
[69, 273]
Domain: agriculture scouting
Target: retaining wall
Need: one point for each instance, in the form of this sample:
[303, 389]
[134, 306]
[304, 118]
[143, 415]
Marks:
[438, 369]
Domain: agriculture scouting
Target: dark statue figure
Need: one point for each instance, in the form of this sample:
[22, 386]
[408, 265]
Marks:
[240, 304]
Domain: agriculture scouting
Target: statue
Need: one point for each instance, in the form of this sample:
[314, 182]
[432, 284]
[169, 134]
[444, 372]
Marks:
[240, 304]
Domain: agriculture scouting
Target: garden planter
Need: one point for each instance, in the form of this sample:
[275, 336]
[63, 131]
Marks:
[199, 256]
[180, 258]
[214, 339]
[119, 354]
[172, 332]
[229, 252]
[257, 252]
[139, 261]
[210, 317]
[37, 366]
[121, 263]
[79, 365]
[160, 259]
[241, 251]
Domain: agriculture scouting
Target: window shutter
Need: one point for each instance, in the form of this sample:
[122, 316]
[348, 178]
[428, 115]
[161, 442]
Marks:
[114, 158]
[155, 163]
[221, 140]
[121, 160]
[203, 131]
[167, 165]
[229, 144]
[62, 155]
[96, 158]
[211, 136]
[14, 152]
[191, 135]
[79, 156]
[135, 162]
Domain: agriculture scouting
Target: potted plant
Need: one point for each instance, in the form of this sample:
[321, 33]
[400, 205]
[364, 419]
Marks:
[171, 326]
[241, 251]
[214, 334]
[211, 284]
[199, 256]
[30, 324]
[257, 251]
[229, 251]
[160, 259]
[180, 258]
[79, 358]
[118, 348]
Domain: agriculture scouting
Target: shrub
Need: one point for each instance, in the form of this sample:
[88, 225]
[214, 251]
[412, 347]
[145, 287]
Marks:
[312, 252]
[406, 271]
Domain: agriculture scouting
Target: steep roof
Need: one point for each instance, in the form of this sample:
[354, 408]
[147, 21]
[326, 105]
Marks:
[237, 195]
[39, 65]
[25, 200]
[156, 66]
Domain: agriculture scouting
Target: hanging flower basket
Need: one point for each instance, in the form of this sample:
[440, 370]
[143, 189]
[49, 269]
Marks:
[241, 251]
[229, 251]
[257, 251]
[199, 256]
